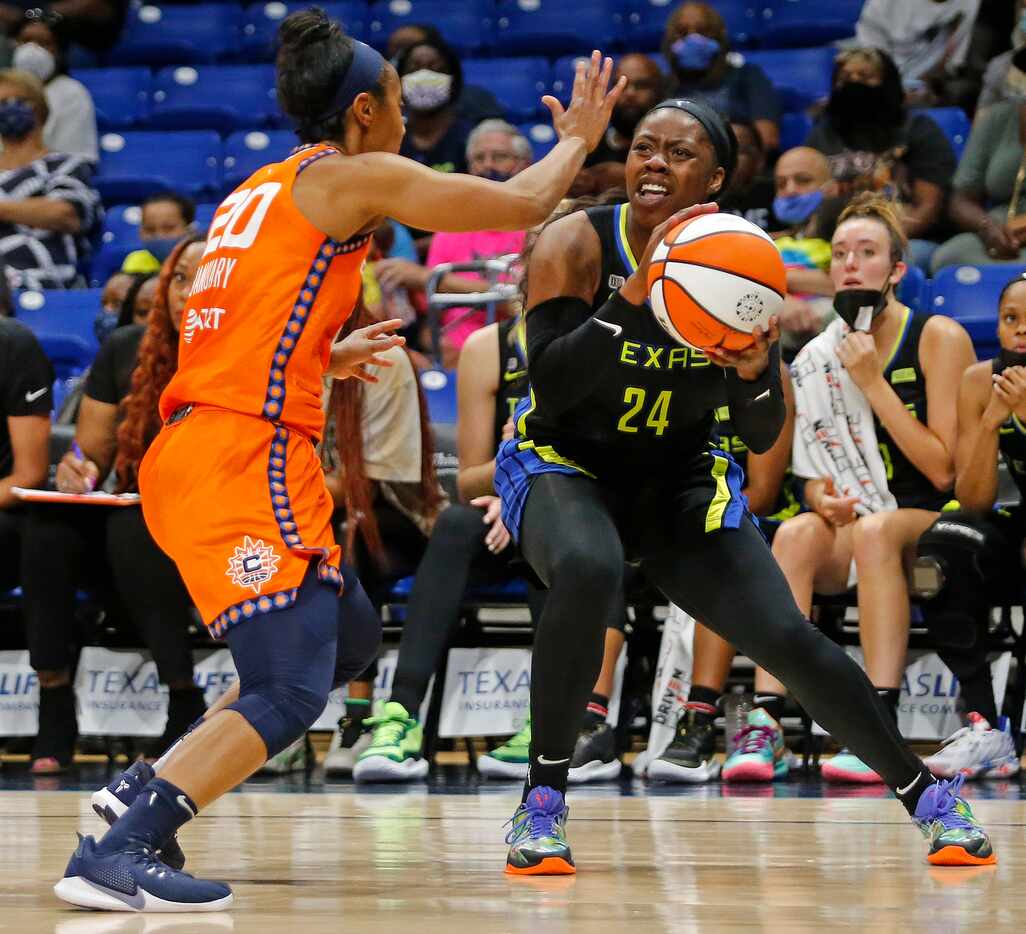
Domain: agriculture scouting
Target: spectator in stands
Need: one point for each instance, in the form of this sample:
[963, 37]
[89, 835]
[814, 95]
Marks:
[802, 182]
[896, 379]
[432, 81]
[95, 24]
[474, 103]
[71, 546]
[604, 165]
[166, 218]
[47, 205]
[126, 299]
[696, 48]
[988, 202]
[874, 144]
[929, 42]
[26, 397]
[751, 191]
[1005, 77]
[497, 150]
[41, 50]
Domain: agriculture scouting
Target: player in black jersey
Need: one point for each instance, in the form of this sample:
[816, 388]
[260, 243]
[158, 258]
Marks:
[612, 458]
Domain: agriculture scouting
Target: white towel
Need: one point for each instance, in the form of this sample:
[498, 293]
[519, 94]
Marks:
[834, 434]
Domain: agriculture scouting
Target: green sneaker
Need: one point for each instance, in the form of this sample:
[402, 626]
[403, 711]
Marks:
[394, 751]
[946, 820]
[537, 840]
[847, 768]
[509, 760]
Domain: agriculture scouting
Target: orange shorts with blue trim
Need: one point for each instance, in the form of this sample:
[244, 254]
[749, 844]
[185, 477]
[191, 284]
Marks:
[240, 505]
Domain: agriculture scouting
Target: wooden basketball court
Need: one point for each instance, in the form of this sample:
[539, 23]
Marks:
[412, 861]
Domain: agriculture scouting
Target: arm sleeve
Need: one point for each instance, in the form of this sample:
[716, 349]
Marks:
[28, 387]
[757, 408]
[568, 347]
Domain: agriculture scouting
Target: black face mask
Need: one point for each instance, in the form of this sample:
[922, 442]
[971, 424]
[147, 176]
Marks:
[1009, 358]
[850, 303]
[857, 104]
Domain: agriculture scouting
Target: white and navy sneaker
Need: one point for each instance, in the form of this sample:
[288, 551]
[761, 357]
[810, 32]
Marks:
[111, 802]
[135, 880]
[976, 751]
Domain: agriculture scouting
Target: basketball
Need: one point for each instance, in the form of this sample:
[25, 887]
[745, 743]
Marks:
[713, 279]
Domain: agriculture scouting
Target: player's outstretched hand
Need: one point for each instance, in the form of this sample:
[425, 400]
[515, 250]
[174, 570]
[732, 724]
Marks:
[590, 106]
[635, 290]
[751, 363]
[350, 356]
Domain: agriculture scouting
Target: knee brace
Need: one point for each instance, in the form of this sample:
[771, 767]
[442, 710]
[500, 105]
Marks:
[281, 712]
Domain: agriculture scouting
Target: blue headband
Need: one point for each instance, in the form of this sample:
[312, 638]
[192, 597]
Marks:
[364, 74]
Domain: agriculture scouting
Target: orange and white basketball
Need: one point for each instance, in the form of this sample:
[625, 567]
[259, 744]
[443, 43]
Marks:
[713, 279]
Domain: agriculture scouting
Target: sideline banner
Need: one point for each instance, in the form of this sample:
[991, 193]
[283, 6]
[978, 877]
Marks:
[487, 692]
[118, 693]
[19, 695]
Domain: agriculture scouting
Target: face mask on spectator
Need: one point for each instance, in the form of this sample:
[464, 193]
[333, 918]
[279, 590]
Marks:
[36, 60]
[859, 104]
[796, 209]
[426, 90]
[161, 247]
[104, 324]
[17, 118]
[695, 52]
[858, 308]
[495, 175]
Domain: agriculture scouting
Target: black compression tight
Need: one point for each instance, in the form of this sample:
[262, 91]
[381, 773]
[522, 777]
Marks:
[729, 580]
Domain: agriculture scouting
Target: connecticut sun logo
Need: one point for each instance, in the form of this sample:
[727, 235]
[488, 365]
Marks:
[253, 564]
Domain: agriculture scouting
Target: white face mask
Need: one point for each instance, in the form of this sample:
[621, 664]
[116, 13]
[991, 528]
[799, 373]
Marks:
[426, 90]
[35, 60]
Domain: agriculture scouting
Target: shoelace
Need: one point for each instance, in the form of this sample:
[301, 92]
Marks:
[532, 822]
[754, 738]
[388, 731]
[945, 804]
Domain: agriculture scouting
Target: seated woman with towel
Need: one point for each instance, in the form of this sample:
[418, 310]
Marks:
[874, 437]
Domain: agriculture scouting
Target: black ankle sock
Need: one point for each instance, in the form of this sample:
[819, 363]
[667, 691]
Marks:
[703, 703]
[543, 774]
[596, 710]
[890, 697]
[909, 795]
[151, 819]
[772, 703]
[358, 709]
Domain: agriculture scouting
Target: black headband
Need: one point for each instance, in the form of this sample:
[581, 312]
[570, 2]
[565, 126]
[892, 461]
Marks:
[716, 128]
[364, 74]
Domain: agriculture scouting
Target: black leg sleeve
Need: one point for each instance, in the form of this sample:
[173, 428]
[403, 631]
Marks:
[456, 548]
[571, 541]
[729, 580]
[153, 593]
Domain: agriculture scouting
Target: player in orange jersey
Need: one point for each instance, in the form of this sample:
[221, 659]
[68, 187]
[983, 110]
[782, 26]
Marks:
[232, 487]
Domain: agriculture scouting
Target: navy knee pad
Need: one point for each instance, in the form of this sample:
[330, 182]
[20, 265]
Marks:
[281, 713]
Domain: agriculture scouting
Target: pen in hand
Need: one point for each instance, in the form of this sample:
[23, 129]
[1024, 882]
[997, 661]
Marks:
[77, 451]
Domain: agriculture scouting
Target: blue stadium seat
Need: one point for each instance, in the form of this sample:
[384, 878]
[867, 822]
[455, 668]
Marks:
[63, 323]
[121, 95]
[794, 129]
[801, 76]
[914, 290]
[563, 70]
[541, 136]
[551, 27]
[954, 123]
[134, 165]
[215, 97]
[468, 25]
[248, 151]
[166, 35]
[518, 83]
[440, 391]
[646, 22]
[789, 24]
[205, 214]
[969, 294]
[260, 24]
[110, 258]
[121, 224]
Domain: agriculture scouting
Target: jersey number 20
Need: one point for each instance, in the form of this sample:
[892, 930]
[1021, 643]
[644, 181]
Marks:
[225, 231]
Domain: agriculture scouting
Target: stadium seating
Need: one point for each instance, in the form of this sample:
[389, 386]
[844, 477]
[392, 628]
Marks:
[246, 152]
[216, 97]
[954, 123]
[167, 35]
[541, 136]
[563, 71]
[136, 164]
[798, 23]
[801, 76]
[646, 22]
[260, 24]
[121, 96]
[914, 290]
[468, 25]
[551, 27]
[969, 294]
[63, 323]
[794, 129]
[440, 391]
[518, 83]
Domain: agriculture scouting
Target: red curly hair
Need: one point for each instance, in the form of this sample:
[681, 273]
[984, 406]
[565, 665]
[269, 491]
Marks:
[156, 364]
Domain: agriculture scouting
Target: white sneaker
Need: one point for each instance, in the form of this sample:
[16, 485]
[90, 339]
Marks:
[347, 745]
[292, 758]
[975, 751]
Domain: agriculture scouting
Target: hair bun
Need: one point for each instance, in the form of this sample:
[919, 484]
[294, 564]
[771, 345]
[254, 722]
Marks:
[306, 28]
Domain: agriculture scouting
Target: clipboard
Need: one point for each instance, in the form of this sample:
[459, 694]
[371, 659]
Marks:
[97, 498]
